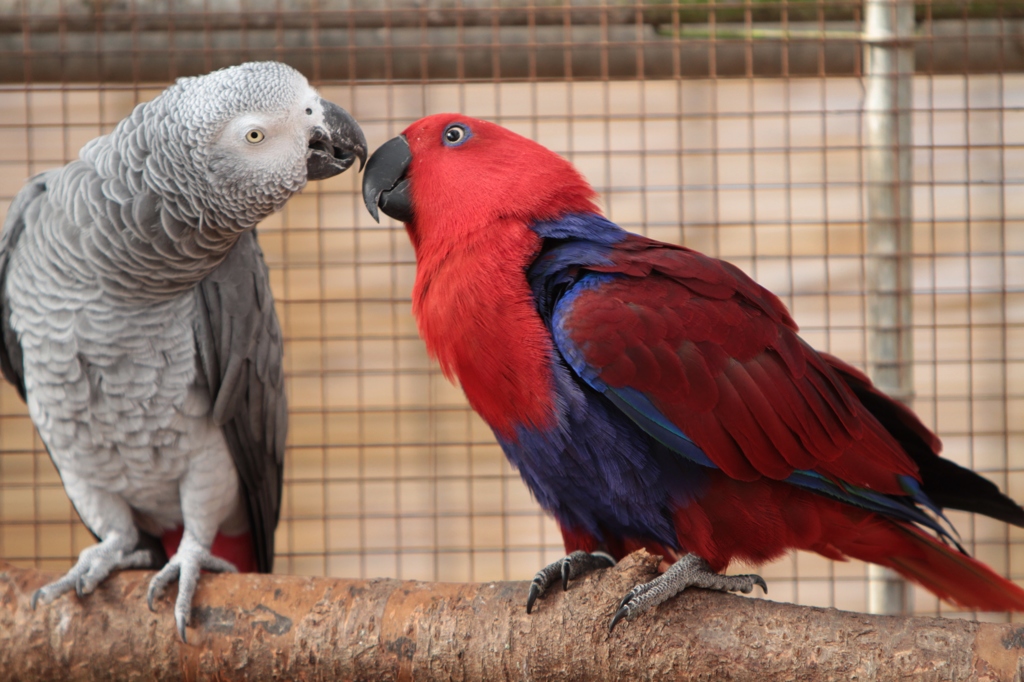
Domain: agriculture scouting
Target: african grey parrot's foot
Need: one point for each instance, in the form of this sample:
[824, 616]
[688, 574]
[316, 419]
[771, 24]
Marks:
[689, 571]
[93, 566]
[185, 567]
[568, 567]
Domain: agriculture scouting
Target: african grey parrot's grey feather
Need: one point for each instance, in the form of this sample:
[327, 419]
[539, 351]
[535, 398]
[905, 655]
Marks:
[14, 225]
[240, 342]
[137, 321]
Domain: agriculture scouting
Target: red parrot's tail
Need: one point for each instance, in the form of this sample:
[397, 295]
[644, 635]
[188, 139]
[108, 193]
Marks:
[950, 574]
[757, 522]
[237, 549]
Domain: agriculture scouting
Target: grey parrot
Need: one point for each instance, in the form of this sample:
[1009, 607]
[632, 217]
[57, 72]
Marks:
[137, 322]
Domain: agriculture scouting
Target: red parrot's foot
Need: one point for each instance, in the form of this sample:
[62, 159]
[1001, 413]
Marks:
[573, 566]
[690, 571]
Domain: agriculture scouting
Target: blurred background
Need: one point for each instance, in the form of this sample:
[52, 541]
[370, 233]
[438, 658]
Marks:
[863, 160]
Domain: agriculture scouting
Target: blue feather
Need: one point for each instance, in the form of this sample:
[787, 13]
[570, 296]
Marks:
[589, 228]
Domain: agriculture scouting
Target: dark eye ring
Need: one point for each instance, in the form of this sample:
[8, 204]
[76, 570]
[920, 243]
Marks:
[456, 134]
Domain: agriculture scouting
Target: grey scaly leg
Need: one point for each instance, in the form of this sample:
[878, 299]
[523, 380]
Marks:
[209, 492]
[110, 517]
[567, 568]
[94, 564]
[185, 566]
[689, 571]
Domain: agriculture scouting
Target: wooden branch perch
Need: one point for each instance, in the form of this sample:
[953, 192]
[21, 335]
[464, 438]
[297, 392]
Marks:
[285, 627]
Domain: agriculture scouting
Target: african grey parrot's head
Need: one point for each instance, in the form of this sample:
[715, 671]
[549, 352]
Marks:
[232, 146]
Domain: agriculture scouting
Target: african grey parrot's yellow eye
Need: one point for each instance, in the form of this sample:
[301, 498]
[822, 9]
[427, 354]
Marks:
[254, 136]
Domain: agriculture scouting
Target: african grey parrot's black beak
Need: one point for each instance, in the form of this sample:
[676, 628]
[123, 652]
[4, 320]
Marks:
[334, 148]
[384, 182]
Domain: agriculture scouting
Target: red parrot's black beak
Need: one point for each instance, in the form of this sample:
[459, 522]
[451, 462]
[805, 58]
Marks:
[384, 182]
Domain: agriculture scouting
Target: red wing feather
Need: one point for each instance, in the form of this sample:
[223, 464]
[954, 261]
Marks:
[854, 376]
[719, 357]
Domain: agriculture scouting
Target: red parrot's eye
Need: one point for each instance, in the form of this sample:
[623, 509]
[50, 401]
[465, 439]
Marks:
[456, 134]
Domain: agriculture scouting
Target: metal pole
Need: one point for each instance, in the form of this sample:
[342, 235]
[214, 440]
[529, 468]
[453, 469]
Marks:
[889, 60]
[154, 41]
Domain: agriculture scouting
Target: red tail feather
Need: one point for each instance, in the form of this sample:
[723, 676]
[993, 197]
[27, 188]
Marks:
[237, 549]
[758, 522]
[950, 574]
[953, 576]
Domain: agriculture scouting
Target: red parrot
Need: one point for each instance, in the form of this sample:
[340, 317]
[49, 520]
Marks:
[651, 396]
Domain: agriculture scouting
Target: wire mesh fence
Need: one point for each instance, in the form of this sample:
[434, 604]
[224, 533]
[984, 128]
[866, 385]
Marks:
[735, 128]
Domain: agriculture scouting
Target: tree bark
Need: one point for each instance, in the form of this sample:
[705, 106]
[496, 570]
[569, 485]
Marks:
[286, 627]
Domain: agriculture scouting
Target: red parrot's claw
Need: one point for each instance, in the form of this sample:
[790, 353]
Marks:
[619, 615]
[568, 567]
[534, 593]
[690, 571]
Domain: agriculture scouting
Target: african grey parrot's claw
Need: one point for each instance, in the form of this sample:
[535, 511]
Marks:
[568, 567]
[690, 571]
[93, 566]
[185, 567]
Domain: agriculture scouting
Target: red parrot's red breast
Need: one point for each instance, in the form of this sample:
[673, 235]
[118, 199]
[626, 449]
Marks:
[473, 306]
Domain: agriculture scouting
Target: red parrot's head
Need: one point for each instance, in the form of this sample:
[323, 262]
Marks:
[451, 174]
[469, 192]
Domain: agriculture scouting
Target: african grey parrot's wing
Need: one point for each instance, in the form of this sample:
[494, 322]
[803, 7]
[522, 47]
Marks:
[240, 346]
[14, 226]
